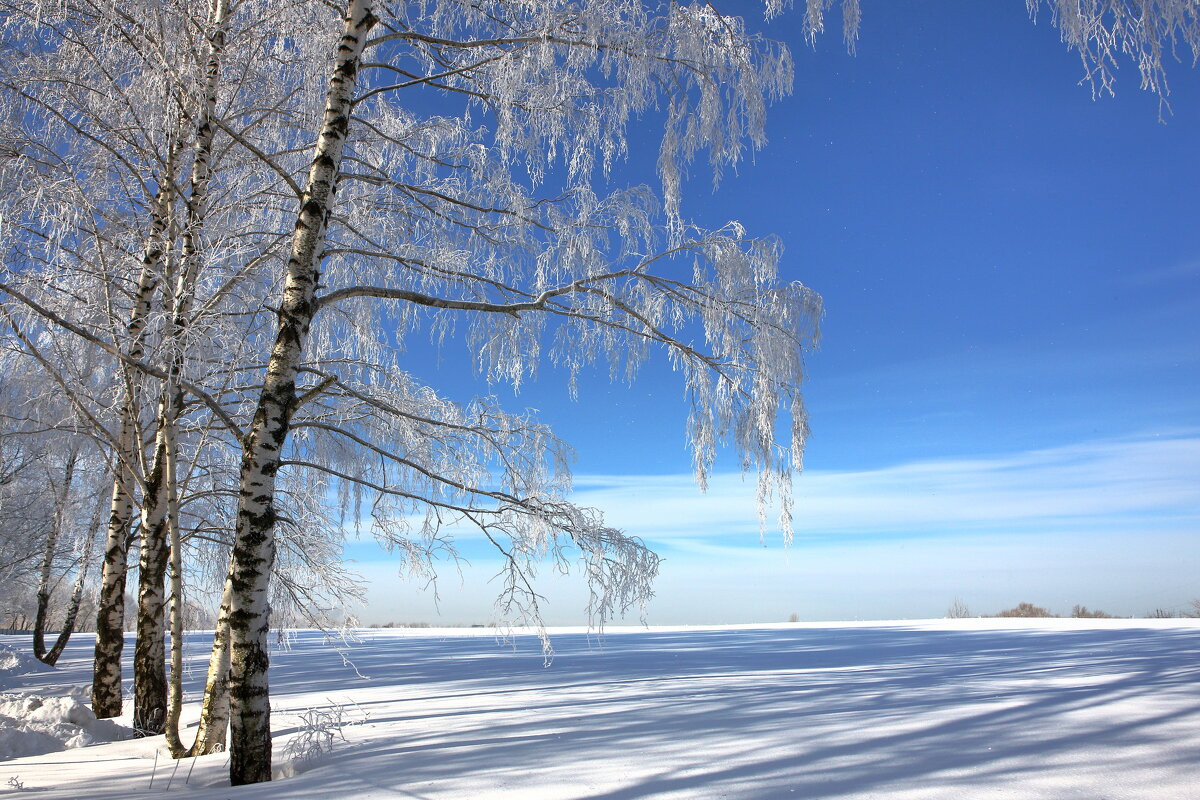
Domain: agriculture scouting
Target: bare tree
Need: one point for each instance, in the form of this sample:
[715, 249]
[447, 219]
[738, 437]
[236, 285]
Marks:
[958, 610]
[62, 501]
[1025, 610]
[65, 469]
[26, 497]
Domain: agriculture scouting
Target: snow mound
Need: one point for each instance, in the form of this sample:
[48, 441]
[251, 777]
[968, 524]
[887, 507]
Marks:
[14, 662]
[31, 725]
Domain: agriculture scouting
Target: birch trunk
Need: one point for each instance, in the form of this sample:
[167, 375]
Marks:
[160, 514]
[214, 709]
[149, 653]
[175, 690]
[57, 523]
[110, 616]
[254, 543]
[110, 613]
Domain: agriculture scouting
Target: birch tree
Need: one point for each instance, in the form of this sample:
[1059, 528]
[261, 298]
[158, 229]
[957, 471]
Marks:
[500, 229]
[159, 526]
[456, 183]
[23, 504]
[60, 468]
[401, 214]
[79, 191]
[117, 105]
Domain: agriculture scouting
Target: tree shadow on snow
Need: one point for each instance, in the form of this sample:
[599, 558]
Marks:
[767, 713]
[760, 713]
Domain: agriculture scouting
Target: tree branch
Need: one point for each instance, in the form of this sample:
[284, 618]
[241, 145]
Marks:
[149, 369]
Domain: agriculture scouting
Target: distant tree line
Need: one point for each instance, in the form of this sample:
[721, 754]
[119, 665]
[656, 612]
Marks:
[959, 610]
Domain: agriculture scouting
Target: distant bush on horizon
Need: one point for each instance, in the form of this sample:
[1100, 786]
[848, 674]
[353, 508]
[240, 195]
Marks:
[958, 610]
[1082, 612]
[1026, 610]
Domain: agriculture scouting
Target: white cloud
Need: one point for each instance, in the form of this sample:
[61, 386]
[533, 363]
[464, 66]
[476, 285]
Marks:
[1172, 273]
[1111, 524]
[1147, 481]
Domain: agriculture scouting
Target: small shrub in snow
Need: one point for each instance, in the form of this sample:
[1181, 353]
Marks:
[319, 729]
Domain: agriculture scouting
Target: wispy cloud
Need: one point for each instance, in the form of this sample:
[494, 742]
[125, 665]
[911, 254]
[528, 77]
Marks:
[1109, 523]
[1098, 484]
[1170, 274]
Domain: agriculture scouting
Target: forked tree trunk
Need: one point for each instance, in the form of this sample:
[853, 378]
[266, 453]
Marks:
[254, 543]
[160, 514]
[110, 614]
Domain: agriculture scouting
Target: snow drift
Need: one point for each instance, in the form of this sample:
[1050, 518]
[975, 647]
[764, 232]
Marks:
[32, 724]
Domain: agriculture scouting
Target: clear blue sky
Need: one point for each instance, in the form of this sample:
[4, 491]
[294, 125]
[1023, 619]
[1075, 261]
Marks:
[1005, 403]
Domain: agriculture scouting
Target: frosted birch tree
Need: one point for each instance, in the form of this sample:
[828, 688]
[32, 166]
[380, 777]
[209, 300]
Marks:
[111, 150]
[456, 184]
[412, 220]
[24, 500]
[482, 212]
[56, 509]
[76, 214]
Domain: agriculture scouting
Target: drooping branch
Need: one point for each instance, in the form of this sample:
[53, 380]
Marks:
[149, 369]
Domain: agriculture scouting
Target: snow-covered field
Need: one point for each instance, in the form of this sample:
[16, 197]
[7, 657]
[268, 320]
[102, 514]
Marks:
[923, 710]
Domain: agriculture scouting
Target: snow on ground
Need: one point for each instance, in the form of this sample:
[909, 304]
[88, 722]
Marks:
[31, 724]
[15, 662]
[953, 709]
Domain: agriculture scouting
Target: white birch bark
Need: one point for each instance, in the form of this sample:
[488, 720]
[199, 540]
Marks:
[254, 544]
[159, 520]
[149, 653]
[211, 737]
[110, 617]
[175, 689]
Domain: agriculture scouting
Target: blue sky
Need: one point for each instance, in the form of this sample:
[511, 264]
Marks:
[1004, 405]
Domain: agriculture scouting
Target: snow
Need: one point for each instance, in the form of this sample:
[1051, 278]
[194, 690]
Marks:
[32, 724]
[14, 663]
[930, 710]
